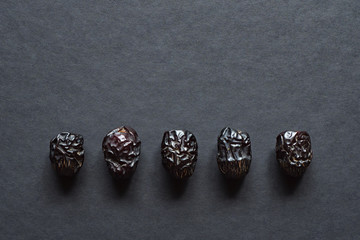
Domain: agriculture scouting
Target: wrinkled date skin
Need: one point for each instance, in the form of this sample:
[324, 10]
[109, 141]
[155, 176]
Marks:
[67, 153]
[293, 152]
[121, 148]
[179, 152]
[234, 153]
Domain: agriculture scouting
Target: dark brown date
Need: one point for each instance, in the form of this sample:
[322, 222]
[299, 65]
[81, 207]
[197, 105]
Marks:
[293, 152]
[67, 153]
[179, 152]
[234, 153]
[121, 148]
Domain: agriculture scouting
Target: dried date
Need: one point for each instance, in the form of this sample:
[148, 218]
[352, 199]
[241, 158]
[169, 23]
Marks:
[293, 152]
[67, 153]
[234, 153]
[179, 152]
[121, 148]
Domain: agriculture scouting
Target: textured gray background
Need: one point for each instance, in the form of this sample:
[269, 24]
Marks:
[260, 66]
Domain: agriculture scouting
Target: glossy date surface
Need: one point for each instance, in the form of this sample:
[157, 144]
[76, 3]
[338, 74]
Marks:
[293, 152]
[67, 153]
[121, 148]
[234, 153]
[179, 151]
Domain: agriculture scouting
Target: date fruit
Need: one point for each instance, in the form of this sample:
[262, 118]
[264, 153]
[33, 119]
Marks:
[293, 152]
[121, 148]
[67, 153]
[179, 152]
[234, 153]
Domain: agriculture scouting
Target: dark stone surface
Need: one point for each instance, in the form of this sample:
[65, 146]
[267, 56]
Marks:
[122, 148]
[67, 153]
[263, 66]
[179, 151]
[234, 153]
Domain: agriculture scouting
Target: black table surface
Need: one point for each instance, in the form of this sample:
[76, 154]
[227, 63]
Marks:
[260, 66]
